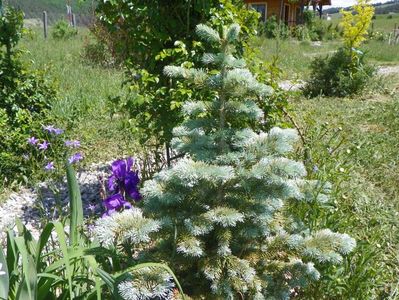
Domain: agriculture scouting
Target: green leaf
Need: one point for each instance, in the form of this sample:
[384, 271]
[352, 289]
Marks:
[75, 202]
[59, 228]
[44, 288]
[4, 280]
[94, 266]
[12, 251]
[43, 239]
[107, 278]
[28, 288]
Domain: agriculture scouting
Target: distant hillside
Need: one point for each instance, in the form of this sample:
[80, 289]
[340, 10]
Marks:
[380, 8]
[56, 9]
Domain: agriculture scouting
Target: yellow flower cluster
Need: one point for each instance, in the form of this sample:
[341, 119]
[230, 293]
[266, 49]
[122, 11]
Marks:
[356, 23]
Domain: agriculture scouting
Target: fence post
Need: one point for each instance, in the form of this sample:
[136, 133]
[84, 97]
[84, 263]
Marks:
[73, 20]
[45, 24]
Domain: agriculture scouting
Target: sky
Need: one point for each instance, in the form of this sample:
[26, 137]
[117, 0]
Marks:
[344, 3]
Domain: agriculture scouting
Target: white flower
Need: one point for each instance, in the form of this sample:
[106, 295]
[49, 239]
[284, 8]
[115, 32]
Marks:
[2, 272]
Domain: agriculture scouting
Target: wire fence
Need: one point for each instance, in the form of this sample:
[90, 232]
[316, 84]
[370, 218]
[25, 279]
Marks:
[56, 10]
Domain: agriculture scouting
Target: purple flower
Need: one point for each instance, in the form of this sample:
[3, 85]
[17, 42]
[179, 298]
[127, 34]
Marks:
[72, 144]
[32, 140]
[115, 203]
[75, 158]
[58, 131]
[92, 207]
[124, 180]
[49, 166]
[315, 169]
[44, 145]
[52, 129]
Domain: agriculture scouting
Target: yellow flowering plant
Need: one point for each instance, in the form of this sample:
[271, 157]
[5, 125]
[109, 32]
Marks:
[355, 23]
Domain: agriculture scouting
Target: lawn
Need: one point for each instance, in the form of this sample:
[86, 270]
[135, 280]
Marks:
[364, 169]
[295, 56]
[84, 90]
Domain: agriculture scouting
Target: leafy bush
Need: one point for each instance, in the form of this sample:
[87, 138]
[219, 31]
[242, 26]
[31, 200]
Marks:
[345, 72]
[338, 75]
[152, 103]
[274, 29]
[63, 31]
[26, 97]
[302, 33]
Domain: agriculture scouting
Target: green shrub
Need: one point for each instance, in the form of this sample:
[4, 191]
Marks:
[98, 54]
[63, 31]
[152, 103]
[308, 18]
[25, 96]
[341, 74]
[302, 33]
[274, 29]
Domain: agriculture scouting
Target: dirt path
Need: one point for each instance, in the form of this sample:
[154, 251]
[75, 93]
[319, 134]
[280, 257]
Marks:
[388, 70]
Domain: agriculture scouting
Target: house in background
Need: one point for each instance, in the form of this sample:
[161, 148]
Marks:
[288, 11]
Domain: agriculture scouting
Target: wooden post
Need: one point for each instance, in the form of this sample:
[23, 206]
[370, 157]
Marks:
[45, 24]
[73, 20]
[281, 10]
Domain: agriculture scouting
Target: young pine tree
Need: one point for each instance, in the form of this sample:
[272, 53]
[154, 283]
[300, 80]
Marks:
[229, 230]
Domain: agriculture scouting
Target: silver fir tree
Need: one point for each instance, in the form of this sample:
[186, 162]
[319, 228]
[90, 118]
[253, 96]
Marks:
[228, 229]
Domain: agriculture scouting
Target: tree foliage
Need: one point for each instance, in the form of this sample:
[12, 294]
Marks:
[147, 36]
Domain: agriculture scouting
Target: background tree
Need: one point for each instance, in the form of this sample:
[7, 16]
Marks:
[143, 35]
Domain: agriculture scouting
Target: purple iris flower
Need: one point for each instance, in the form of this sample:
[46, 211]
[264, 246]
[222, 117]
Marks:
[75, 158]
[123, 180]
[44, 145]
[52, 129]
[115, 203]
[124, 184]
[32, 140]
[49, 166]
[72, 144]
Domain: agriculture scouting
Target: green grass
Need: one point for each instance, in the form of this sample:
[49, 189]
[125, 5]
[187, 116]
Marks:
[295, 57]
[364, 171]
[56, 9]
[385, 23]
[83, 93]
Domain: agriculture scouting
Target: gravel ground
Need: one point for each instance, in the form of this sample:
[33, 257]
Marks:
[43, 203]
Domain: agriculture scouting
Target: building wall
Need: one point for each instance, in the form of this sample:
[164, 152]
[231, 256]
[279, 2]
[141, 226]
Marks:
[273, 8]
